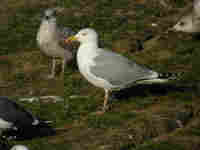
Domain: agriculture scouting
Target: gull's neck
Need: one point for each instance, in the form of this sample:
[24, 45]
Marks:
[87, 50]
[48, 24]
[47, 32]
[90, 46]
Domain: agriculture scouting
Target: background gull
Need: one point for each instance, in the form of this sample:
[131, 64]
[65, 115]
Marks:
[109, 70]
[190, 22]
[50, 38]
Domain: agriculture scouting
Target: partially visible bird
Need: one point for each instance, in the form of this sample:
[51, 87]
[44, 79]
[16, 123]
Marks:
[19, 147]
[15, 118]
[50, 38]
[4, 146]
[110, 70]
[190, 22]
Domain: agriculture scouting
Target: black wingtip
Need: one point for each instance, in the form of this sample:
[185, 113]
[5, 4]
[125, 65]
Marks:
[171, 76]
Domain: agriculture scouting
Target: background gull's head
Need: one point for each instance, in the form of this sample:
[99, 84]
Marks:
[49, 15]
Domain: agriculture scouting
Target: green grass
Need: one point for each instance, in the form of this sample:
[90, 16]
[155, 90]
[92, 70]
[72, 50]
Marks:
[136, 118]
[162, 146]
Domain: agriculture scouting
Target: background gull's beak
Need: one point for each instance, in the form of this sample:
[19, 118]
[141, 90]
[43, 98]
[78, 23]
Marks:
[70, 39]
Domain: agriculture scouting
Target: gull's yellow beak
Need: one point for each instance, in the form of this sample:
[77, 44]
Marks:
[70, 39]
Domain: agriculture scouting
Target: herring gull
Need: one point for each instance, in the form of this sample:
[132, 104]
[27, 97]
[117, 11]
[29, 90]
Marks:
[109, 70]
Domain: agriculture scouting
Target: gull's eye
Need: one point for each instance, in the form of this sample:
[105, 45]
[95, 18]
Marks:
[84, 34]
[182, 23]
[47, 17]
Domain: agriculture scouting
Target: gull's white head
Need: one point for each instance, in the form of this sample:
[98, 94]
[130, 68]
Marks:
[49, 15]
[87, 35]
[19, 147]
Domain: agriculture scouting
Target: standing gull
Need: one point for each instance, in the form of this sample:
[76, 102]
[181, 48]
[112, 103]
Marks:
[50, 37]
[190, 22]
[109, 70]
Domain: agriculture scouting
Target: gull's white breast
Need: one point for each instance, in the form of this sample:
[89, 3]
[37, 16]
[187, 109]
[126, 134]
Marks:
[85, 58]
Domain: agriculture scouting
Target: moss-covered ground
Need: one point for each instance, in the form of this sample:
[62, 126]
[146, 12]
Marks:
[151, 117]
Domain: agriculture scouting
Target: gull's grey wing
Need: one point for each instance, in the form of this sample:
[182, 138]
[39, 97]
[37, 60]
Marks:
[119, 70]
